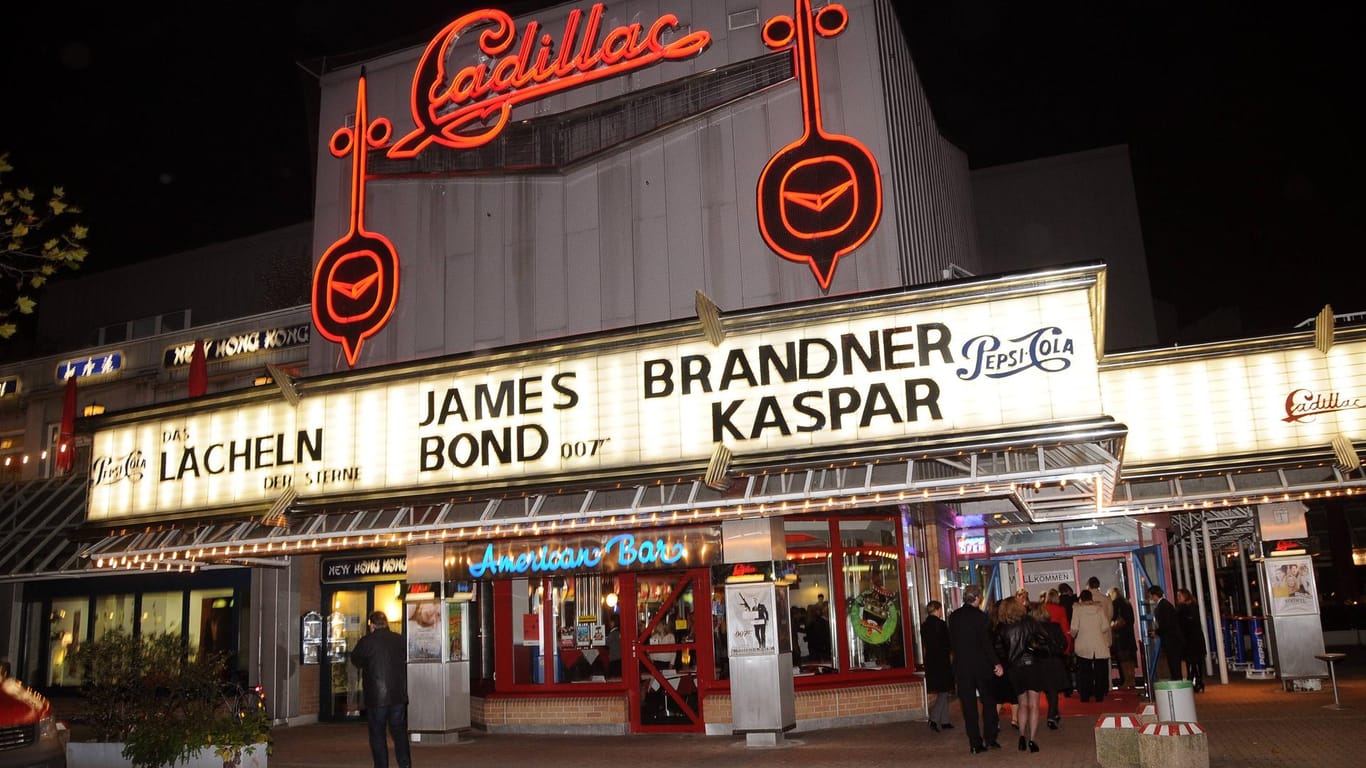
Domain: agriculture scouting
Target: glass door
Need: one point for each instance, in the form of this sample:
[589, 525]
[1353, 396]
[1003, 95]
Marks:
[343, 627]
[664, 650]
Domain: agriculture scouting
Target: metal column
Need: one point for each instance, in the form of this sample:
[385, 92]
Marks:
[1218, 619]
[1200, 593]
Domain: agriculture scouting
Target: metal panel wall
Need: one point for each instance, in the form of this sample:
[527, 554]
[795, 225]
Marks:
[627, 237]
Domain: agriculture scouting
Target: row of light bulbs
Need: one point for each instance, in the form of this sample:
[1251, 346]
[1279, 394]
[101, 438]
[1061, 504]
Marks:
[230, 551]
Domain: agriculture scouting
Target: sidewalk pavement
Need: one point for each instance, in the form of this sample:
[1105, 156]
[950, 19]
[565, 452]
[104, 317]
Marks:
[1250, 723]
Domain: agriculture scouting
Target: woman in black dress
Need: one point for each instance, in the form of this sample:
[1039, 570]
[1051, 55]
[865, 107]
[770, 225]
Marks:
[934, 636]
[1193, 650]
[1123, 646]
[1017, 634]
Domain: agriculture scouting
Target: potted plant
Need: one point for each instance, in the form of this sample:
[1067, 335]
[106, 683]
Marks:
[166, 709]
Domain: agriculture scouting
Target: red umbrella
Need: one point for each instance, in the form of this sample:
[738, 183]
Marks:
[199, 370]
[66, 445]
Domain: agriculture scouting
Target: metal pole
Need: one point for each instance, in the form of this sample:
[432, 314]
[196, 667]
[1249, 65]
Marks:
[1218, 620]
[1200, 595]
[1243, 554]
[1179, 555]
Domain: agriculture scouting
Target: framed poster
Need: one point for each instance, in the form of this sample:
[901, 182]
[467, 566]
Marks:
[424, 624]
[1292, 586]
[455, 630]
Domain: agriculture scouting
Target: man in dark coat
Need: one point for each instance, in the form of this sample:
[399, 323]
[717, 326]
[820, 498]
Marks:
[1168, 630]
[934, 636]
[974, 665]
[382, 660]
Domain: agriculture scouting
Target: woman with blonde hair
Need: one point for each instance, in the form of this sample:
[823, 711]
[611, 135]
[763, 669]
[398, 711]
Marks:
[1019, 639]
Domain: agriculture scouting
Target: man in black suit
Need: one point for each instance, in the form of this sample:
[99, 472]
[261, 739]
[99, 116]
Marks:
[1168, 631]
[974, 665]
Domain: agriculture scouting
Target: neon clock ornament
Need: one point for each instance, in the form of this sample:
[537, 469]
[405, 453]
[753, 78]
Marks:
[819, 197]
[355, 283]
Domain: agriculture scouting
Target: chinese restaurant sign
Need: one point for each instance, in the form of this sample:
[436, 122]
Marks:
[89, 367]
[237, 345]
[690, 547]
[848, 375]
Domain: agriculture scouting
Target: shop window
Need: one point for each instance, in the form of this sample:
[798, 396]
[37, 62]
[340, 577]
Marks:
[808, 548]
[211, 621]
[873, 625]
[113, 613]
[528, 631]
[162, 613]
[588, 647]
[66, 631]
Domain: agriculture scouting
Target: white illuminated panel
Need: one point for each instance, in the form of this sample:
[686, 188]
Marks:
[1227, 406]
[797, 387]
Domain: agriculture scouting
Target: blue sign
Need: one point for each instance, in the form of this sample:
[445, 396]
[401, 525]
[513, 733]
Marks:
[81, 368]
[9, 386]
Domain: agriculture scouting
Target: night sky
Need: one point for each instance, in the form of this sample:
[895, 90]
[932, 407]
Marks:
[1244, 122]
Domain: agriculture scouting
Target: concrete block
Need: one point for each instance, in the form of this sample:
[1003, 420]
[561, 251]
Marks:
[1173, 745]
[1117, 741]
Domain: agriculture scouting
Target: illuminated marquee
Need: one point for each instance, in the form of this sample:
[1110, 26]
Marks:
[783, 384]
[1266, 401]
[819, 197]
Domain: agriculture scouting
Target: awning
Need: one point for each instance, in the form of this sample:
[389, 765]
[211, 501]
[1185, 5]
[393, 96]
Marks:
[1064, 475]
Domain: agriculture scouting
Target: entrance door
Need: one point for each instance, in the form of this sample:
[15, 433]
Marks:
[343, 627]
[664, 651]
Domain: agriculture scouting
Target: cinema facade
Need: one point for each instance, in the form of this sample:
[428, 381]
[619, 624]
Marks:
[620, 307]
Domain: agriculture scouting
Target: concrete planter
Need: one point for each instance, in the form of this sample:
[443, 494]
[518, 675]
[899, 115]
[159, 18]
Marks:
[105, 754]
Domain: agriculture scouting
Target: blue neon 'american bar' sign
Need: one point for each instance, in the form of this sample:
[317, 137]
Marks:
[609, 552]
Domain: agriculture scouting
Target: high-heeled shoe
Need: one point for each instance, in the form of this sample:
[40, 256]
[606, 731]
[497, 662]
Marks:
[1023, 743]
[1033, 747]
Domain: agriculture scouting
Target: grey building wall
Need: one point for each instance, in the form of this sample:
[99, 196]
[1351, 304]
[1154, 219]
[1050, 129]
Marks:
[1066, 209]
[627, 237]
[218, 282]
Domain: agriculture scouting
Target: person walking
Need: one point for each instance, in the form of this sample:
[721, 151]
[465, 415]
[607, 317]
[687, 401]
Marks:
[974, 667]
[1051, 660]
[1168, 631]
[382, 660]
[1123, 646]
[1020, 641]
[934, 637]
[1192, 637]
[1091, 628]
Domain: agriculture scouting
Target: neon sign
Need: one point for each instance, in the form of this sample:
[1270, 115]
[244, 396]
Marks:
[355, 284]
[524, 66]
[820, 197]
[663, 548]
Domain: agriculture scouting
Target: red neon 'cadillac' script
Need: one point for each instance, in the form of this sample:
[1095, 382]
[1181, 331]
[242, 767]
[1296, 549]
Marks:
[470, 107]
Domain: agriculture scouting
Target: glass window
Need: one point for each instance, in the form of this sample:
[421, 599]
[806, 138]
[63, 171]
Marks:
[528, 629]
[211, 621]
[1105, 531]
[873, 625]
[162, 613]
[1021, 538]
[113, 613]
[144, 327]
[808, 547]
[173, 321]
[66, 631]
[583, 622]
